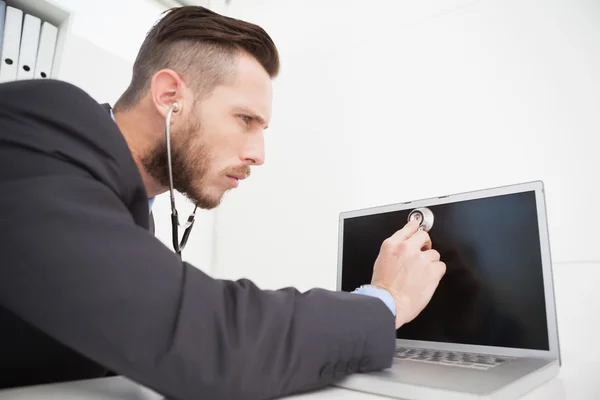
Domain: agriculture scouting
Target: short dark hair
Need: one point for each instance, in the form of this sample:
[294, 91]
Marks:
[200, 45]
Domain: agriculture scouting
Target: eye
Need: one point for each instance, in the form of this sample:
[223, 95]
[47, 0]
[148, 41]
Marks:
[246, 118]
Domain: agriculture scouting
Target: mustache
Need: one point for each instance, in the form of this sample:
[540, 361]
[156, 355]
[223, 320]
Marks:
[242, 170]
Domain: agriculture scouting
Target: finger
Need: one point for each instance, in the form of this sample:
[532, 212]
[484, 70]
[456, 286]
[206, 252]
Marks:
[420, 240]
[406, 232]
[432, 255]
[440, 268]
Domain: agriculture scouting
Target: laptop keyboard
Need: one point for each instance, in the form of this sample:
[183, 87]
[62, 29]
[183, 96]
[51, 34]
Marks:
[453, 358]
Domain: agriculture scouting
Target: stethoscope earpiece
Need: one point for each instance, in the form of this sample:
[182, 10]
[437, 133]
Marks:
[424, 216]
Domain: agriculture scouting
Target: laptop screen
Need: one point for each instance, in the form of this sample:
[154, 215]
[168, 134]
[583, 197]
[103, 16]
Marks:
[493, 290]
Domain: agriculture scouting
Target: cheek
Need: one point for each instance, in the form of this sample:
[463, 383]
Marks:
[219, 142]
[205, 159]
[226, 146]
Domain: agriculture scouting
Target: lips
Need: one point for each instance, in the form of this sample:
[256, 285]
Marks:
[238, 177]
[235, 176]
[234, 180]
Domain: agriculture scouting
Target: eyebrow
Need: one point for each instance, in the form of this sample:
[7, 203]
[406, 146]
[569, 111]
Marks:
[253, 115]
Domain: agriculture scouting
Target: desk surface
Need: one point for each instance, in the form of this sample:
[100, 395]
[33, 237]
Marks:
[565, 386]
[123, 389]
[578, 311]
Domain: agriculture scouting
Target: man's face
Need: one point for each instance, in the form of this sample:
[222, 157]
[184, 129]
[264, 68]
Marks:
[217, 140]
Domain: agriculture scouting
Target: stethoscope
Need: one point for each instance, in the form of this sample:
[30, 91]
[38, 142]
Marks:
[178, 246]
[424, 216]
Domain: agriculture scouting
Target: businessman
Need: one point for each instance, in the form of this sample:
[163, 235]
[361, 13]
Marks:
[86, 290]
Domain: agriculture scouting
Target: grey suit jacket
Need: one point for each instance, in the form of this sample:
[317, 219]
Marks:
[85, 288]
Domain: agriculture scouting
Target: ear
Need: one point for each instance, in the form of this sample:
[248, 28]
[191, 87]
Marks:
[167, 88]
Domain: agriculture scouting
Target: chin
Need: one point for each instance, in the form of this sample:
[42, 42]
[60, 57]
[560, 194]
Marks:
[208, 201]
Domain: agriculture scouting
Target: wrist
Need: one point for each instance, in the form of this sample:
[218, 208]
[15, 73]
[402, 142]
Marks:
[401, 307]
[398, 307]
[381, 293]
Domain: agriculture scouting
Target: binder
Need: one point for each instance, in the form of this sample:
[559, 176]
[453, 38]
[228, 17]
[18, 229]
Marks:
[46, 49]
[11, 44]
[2, 17]
[29, 47]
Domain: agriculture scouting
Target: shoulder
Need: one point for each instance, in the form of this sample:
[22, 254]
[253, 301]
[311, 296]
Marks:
[63, 122]
[54, 103]
[54, 93]
[55, 114]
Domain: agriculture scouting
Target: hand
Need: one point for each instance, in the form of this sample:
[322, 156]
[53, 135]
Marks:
[409, 269]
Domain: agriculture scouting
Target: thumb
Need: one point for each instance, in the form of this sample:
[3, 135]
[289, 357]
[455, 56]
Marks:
[406, 232]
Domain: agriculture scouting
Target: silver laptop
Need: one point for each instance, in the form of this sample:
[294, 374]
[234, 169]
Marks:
[490, 330]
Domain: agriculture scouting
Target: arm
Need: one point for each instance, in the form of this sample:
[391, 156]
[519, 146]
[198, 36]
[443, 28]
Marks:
[77, 267]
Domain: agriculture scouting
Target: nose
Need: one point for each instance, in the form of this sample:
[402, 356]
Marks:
[254, 153]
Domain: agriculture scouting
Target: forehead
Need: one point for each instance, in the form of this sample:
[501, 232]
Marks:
[250, 87]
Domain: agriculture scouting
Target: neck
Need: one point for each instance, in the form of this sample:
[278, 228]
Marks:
[139, 131]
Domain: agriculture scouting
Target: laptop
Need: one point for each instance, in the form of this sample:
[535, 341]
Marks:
[490, 330]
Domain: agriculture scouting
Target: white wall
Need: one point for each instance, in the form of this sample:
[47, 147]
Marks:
[502, 91]
[103, 43]
[98, 57]
[118, 26]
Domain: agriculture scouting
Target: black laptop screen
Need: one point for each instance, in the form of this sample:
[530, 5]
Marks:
[493, 290]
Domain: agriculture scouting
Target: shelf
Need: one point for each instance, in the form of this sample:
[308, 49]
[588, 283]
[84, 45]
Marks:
[48, 10]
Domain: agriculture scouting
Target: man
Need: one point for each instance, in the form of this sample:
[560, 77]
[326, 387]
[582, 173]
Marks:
[86, 290]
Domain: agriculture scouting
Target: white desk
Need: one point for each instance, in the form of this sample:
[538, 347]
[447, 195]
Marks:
[123, 389]
[578, 309]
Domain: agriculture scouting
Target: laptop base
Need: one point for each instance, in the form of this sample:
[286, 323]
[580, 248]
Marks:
[410, 380]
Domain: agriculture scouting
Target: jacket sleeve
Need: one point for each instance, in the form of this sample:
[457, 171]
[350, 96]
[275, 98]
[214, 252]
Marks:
[76, 266]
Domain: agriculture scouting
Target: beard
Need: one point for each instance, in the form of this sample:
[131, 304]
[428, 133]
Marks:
[191, 161]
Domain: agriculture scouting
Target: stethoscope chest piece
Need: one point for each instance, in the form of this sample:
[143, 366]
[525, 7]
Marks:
[424, 216]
